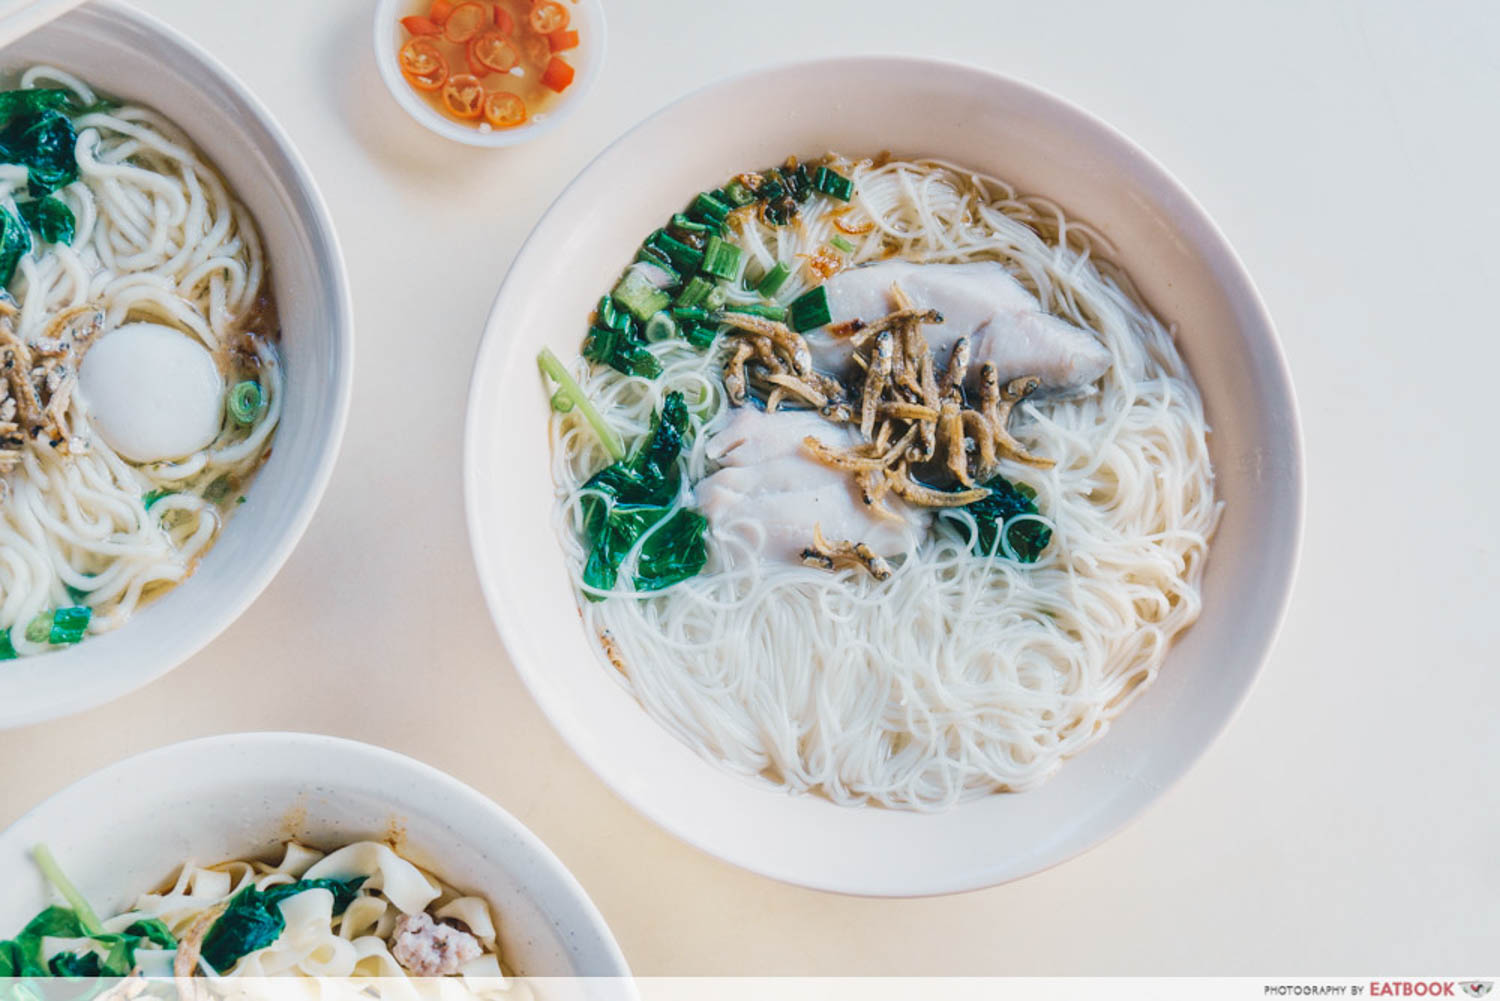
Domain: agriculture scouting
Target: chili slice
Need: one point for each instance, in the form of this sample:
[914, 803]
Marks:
[560, 40]
[439, 11]
[466, 21]
[548, 16]
[491, 52]
[423, 64]
[464, 96]
[504, 110]
[503, 20]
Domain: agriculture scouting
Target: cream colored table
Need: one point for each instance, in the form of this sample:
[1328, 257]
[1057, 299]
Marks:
[1348, 823]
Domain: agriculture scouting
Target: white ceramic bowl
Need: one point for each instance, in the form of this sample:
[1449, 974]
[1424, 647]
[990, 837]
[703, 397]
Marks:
[1046, 146]
[124, 829]
[587, 19]
[125, 53]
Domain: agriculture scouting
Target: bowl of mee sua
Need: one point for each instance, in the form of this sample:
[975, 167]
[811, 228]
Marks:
[921, 468]
[175, 346]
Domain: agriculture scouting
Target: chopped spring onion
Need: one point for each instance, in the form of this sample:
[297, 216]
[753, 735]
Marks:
[154, 496]
[810, 309]
[700, 335]
[245, 402]
[39, 629]
[695, 291]
[682, 222]
[721, 258]
[69, 624]
[562, 402]
[768, 310]
[709, 207]
[716, 298]
[833, 184]
[7, 648]
[661, 327]
[773, 187]
[839, 243]
[553, 369]
[637, 296]
[773, 280]
[800, 183]
[651, 255]
[738, 194]
[81, 909]
[683, 257]
[608, 316]
[689, 314]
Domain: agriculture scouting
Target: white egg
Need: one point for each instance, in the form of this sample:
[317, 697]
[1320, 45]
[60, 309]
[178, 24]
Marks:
[152, 393]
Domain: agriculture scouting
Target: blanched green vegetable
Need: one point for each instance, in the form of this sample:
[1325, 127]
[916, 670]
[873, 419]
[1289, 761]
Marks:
[1026, 538]
[52, 220]
[253, 919]
[628, 499]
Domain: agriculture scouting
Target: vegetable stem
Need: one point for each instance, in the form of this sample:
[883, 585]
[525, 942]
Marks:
[553, 369]
[48, 864]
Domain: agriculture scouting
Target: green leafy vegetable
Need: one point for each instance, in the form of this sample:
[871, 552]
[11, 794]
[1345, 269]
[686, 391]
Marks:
[33, 100]
[52, 220]
[10, 960]
[621, 350]
[674, 552]
[72, 964]
[43, 142]
[154, 931]
[1007, 502]
[253, 919]
[15, 241]
[626, 500]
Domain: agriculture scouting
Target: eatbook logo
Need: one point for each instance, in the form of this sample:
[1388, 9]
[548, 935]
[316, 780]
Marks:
[1478, 988]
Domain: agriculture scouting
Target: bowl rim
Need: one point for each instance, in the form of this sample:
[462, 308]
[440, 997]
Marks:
[375, 760]
[172, 652]
[401, 92]
[498, 355]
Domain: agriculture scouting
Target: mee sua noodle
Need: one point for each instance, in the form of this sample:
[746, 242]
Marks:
[142, 384]
[881, 481]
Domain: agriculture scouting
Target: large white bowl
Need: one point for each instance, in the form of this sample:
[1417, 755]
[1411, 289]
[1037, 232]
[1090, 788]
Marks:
[125, 829]
[1045, 146]
[127, 54]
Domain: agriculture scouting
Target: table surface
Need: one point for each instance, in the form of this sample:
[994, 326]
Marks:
[1347, 823]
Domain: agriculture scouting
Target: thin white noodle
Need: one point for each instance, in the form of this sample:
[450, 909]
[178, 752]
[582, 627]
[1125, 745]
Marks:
[959, 676]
